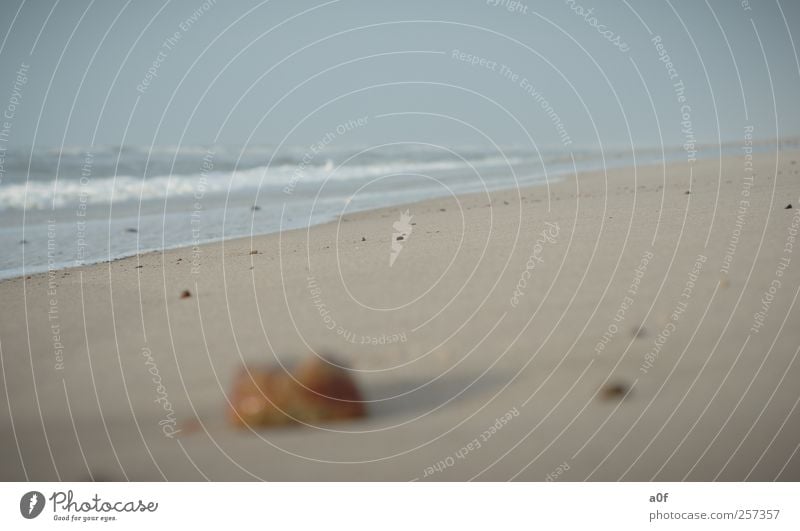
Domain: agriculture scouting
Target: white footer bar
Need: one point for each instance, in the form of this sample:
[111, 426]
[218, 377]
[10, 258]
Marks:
[382, 506]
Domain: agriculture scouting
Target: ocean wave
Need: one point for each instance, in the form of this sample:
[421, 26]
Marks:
[67, 192]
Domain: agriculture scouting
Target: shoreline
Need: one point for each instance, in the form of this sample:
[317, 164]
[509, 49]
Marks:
[498, 302]
[706, 154]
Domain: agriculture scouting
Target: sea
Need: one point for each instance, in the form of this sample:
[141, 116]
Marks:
[65, 207]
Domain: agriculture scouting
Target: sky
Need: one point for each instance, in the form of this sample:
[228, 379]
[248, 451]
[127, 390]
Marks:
[551, 74]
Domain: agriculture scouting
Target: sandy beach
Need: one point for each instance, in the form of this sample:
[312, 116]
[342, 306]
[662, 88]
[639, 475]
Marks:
[634, 325]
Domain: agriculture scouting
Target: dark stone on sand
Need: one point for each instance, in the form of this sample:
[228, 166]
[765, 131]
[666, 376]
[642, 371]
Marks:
[442, 210]
[614, 391]
[132, 230]
[687, 192]
[185, 294]
[253, 252]
[139, 267]
[363, 239]
[399, 238]
[788, 207]
[316, 390]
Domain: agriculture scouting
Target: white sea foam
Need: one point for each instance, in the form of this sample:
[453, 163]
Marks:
[66, 192]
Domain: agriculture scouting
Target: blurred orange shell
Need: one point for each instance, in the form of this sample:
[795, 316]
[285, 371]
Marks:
[315, 391]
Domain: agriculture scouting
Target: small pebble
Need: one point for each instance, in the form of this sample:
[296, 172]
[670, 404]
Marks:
[190, 426]
[788, 207]
[614, 391]
[185, 294]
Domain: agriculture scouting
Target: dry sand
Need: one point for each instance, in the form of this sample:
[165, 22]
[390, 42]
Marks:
[717, 401]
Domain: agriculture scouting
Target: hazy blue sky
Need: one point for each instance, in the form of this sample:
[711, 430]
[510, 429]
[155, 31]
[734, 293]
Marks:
[218, 82]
